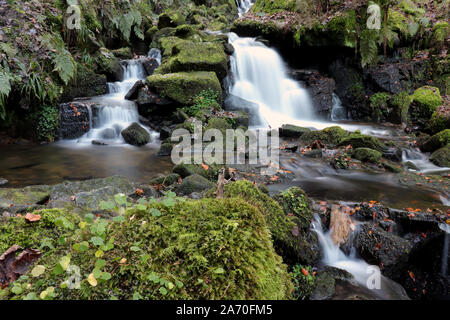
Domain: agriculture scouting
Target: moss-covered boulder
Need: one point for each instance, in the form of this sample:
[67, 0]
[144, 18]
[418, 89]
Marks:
[123, 53]
[165, 180]
[109, 65]
[427, 99]
[440, 120]
[136, 135]
[194, 183]
[329, 136]
[441, 157]
[292, 131]
[86, 83]
[295, 203]
[358, 140]
[183, 87]
[437, 141]
[190, 56]
[287, 235]
[366, 154]
[209, 172]
[19, 199]
[170, 18]
[174, 249]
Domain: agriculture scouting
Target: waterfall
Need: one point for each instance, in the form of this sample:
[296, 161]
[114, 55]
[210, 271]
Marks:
[155, 54]
[421, 162]
[361, 270]
[115, 113]
[444, 266]
[338, 112]
[244, 6]
[260, 76]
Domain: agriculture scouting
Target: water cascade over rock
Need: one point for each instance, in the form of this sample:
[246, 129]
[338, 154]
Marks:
[259, 76]
[244, 6]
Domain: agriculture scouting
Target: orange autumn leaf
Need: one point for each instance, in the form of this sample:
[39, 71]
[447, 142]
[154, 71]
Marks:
[305, 272]
[139, 192]
[205, 167]
[32, 217]
[378, 246]
[274, 178]
[412, 276]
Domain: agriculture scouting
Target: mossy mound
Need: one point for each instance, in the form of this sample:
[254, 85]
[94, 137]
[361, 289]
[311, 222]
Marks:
[194, 183]
[186, 170]
[437, 141]
[190, 56]
[358, 140]
[183, 87]
[13, 199]
[177, 249]
[292, 131]
[136, 135]
[441, 157]
[285, 232]
[271, 6]
[329, 136]
[295, 202]
[170, 18]
[366, 154]
[427, 99]
[438, 122]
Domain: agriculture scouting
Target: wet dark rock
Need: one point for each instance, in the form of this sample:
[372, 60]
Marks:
[386, 77]
[326, 282]
[136, 135]
[3, 181]
[133, 93]
[235, 103]
[86, 84]
[292, 131]
[98, 143]
[228, 48]
[384, 249]
[393, 154]
[194, 183]
[321, 89]
[314, 154]
[165, 150]
[74, 119]
[150, 103]
[164, 133]
[150, 65]
[88, 194]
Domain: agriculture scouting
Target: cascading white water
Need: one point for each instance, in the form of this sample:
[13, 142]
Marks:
[244, 6]
[361, 270]
[115, 113]
[338, 111]
[421, 161]
[259, 76]
[155, 54]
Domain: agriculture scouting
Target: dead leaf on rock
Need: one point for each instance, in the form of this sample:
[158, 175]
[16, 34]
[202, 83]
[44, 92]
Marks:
[12, 267]
[32, 217]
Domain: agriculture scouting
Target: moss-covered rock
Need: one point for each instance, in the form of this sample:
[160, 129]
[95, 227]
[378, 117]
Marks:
[185, 170]
[441, 157]
[292, 131]
[288, 238]
[439, 122]
[208, 249]
[400, 104]
[190, 56]
[18, 199]
[358, 140]
[295, 203]
[170, 19]
[109, 65]
[366, 154]
[123, 53]
[86, 83]
[165, 180]
[194, 183]
[136, 135]
[329, 136]
[427, 99]
[441, 32]
[183, 87]
[437, 141]
[271, 6]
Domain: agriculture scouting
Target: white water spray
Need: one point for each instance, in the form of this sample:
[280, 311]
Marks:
[260, 76]
[244, 6]
[115, 113]
[421, 162]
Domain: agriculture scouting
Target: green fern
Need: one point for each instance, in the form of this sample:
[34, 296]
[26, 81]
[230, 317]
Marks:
[5, 89]
[368, 47]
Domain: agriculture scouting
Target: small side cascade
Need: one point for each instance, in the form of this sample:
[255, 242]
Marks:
[444, 267]
[338, 112]
[244, 6]
[155, 53]
[334, 256]
[421, 162]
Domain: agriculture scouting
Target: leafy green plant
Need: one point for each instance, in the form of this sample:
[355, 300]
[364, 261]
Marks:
[303, 280]
[205, 100]
[47, 123]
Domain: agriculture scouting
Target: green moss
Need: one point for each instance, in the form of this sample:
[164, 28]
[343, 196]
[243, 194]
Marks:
[366, 154]
[295, 202]
[271, 6]
[208, 249]
[400, 103]
[42, 234]
[190, 56]
[427, 99]
[304, 280]
[441, 157]
[185, 170]
[194, 183]
[438, 122]
[166, 180]
[329, 136]
[437, 141]
[23, 197]
[170, 18]
[398, 22]
[441, 31]
[378, 104]
[182, 87]
[358, 140]
[123, 53]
